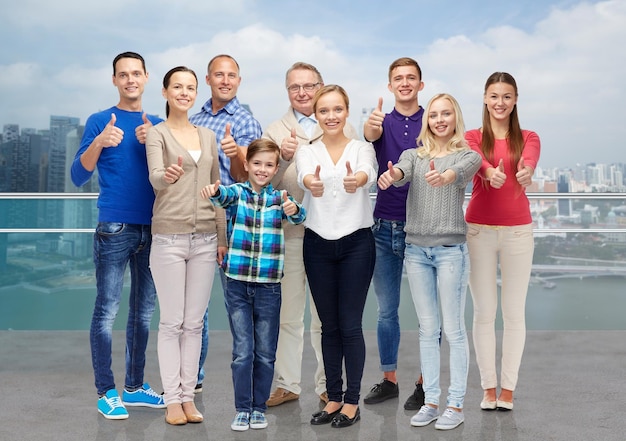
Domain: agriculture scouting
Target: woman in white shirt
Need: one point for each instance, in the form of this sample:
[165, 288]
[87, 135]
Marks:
[339, 251]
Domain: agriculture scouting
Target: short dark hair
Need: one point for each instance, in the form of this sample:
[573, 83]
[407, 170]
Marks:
[168, 77]
[134, 55]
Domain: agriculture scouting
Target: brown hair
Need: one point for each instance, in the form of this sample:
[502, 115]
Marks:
[514, 134]
[328, 89]
[262, 145]
[405, 61]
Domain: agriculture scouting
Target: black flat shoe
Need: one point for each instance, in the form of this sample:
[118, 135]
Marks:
[342, 420]
[323, 417]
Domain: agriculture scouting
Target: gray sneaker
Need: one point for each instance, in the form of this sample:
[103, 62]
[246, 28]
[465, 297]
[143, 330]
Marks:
[449, 419]
[425, 416]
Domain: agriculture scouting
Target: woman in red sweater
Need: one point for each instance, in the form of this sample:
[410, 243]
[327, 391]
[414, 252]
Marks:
[500, 231]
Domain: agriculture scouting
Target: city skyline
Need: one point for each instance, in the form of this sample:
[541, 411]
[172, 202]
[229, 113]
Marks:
[39, 155]
[570, 92]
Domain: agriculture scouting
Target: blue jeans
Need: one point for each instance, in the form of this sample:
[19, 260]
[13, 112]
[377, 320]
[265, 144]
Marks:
[339, 274]
[447, 266]
[389, 236]
[254, 317]
[115, 246]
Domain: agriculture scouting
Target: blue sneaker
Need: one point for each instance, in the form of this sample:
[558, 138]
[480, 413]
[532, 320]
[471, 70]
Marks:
[111, 407]
[144, 397]
[241, 422]
[258, 420]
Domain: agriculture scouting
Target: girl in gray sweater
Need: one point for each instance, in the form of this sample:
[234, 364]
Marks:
[436, 256]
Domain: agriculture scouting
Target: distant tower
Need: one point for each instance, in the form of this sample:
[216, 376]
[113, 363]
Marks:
[365, 114]
[564, 206]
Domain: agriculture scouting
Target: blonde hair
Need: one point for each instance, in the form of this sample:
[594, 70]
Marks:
[426, 143]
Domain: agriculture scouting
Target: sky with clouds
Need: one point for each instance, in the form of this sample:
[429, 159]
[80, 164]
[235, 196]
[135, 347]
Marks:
[568, 57]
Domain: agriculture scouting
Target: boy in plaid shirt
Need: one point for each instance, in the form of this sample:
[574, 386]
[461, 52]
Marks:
[253, 268]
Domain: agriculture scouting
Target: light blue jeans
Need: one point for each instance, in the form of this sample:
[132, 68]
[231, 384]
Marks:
[389, 236]
[446, 268]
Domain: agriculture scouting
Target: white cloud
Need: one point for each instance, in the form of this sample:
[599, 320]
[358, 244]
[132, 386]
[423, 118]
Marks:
[569, 67]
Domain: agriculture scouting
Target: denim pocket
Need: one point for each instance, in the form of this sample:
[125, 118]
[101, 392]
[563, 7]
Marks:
[109, 228]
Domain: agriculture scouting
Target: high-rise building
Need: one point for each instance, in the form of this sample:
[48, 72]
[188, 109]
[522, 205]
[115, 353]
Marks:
[564, 206]
[60, 126]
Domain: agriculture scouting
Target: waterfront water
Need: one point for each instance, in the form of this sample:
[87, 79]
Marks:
[572, 304]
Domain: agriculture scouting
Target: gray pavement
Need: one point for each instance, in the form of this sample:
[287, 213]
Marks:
[572, 387]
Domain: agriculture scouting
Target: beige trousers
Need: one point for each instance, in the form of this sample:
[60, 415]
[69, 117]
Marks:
[183, 267]
[512, 248]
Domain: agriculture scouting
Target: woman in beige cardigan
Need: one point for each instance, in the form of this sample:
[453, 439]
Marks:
[188, 240]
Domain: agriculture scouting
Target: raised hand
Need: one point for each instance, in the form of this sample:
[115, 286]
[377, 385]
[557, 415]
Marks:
[142, 130]
[523, 175]
[289, 206]
[316, 186]
[111, 136]
[433, 177]
[210, 190]
[228, 144]
[498, 177]
[389, 177]
[288, 146]
[349, 181]
[174, 172]
[375, 120]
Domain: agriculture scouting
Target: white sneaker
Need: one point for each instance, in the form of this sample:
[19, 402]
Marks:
[425, 416]
[449, 419]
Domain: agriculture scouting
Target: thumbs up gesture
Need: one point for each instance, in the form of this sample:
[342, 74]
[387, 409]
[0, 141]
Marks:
[289, 206]
[142, 130]
[349, 181]
[228, 144]
[433, 177]
[315, 184]
[391, 175]
[210, 190]
[289, 145]
[524, 175]
[174, 172]
[111, 136]
[375, 120]
[497, 178]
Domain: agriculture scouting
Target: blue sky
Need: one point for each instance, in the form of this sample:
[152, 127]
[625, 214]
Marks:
[568, 57]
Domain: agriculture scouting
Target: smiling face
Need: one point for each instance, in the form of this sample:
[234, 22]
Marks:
[302, 99]
[500, 100]
[331, 112]
[130, 79]
[442, 120]
[261, 168]
[224, 80]
[181, 91]
[405, 83]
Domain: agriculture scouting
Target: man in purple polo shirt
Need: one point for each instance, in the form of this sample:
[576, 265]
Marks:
[391, 134]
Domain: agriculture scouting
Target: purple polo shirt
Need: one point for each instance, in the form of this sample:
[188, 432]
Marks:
[399, 134]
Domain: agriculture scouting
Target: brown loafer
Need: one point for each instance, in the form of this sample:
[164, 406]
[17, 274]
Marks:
[324, 397]
[280, 396]
[174, 415]
[192, 413]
